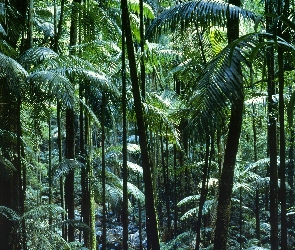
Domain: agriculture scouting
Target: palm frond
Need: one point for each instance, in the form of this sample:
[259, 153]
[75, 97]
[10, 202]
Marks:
[219, 84]
[147, 10]
[7, 49]
[134, 167]
[9, 213]
[190, 213]
[15, 24]
[6, 167]
[13, 72]
[133, 148]
[200, 13]
[135, 192]
[35, 56]
[63, 168]
[43, 211]
[65, 61]
[48, 85]
[189, 199]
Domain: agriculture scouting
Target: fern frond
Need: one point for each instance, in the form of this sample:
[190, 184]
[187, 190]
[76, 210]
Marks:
[200, 13]
[189, 199]
[35, 56]
[13, 72]
[190, 213]
[63, 168]
[43, 211]
[134, 167]
[9, 213]
[133, 190]
[147, 10]
[133, 148]
[48, 85]
[6, 167]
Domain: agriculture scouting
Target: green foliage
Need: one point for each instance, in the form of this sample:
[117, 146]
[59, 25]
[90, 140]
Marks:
[199, 13]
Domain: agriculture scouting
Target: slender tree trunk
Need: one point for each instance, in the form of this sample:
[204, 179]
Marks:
[69, 181]
[142, 42]
[103, 172]
[10, 185]
[151, 219]
[124, 149]
[58, 24]
[270, 7]
[204, 190]
[61, 181]
[175, 226]
[282, 169]
[49, 165]
[227, 174]
[70, 133]
[257, 207]
[30, 19]
[166, 189]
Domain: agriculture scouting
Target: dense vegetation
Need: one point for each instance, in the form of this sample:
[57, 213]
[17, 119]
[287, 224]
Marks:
[147, 124]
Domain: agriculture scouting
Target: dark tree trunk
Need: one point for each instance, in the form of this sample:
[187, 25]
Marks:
[282, 169]
[85, 172]
[124, 149]
[175, 197]
[58, 24]
[204, 190]
[227, 173]
[69, 182]
[49, 165]
[61, 185]
[166, 189]
[151, 220]
[103, 172]
[257, 207]
[10, 181]
[270, 7]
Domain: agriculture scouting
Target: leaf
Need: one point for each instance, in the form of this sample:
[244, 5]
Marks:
[6, 167]
[133, 190]
[9, 213]
[43, 211]
[35, 56]
[134, 167]
[200, 13]
[63, 168]
[147, 10]
[189, 199]
[189, 213]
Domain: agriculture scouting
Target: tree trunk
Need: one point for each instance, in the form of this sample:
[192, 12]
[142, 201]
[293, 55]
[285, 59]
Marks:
[124, 149]
[227, 174]
[103, 172]
[69, 182]
[204, 190]
[272, 133]
[282, 169]
[10, 185]
[151, 219]
[257, 207]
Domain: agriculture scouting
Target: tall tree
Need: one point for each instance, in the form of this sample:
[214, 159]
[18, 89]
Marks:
[151, 219]
[270, 8]
[70, 133]
[232, 144]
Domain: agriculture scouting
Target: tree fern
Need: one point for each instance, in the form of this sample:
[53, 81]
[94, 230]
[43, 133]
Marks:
[199, 13]
[36, 55]
[63, 167]
[13, 72]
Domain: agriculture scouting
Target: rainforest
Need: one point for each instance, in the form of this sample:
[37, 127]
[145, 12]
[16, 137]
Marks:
[147, 124]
